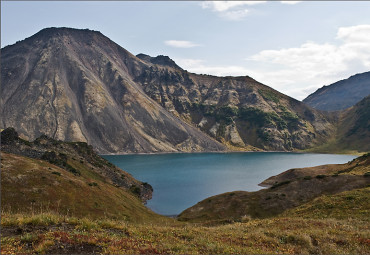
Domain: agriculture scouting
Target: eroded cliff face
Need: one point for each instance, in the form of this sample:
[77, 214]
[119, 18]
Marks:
[237, 111]
[77, 85]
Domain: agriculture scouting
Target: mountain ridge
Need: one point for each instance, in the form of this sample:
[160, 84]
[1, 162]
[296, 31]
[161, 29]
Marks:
[341, 94]
[78, 85]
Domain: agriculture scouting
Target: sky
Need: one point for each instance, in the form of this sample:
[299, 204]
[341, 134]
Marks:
[294, 47]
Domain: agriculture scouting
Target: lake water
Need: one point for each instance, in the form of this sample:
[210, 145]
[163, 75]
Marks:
[181, 180]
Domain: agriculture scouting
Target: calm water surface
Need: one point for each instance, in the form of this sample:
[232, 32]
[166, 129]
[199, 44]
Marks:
[182, 180]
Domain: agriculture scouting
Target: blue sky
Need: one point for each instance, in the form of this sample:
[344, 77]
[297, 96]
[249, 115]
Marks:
[294, 47]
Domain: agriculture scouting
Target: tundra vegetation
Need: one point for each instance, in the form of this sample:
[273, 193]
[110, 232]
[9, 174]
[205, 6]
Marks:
[47, 208]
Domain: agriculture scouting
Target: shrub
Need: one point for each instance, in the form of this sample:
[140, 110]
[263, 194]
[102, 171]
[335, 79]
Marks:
[280, 184]
[135, 189]
[269, 95]
[9, 136]
[72, 170]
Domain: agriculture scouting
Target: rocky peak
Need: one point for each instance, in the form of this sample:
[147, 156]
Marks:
[159, 60]
[57, 31]
[144, 57]
[78, 85]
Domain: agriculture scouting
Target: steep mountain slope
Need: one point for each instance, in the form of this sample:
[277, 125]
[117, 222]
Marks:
[288, 190]
[342, 94]
[237, 111]
[77, 85]
[69, 178]
[352, 132]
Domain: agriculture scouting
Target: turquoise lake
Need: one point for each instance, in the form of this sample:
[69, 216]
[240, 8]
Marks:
[181, 180]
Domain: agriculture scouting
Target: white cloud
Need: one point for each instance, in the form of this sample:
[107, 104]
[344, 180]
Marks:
[181, 44]
[232, 10]
[301, 70]
[290, 2]
[314, 65]
[358, 33]
[221, 6]
[235, 15]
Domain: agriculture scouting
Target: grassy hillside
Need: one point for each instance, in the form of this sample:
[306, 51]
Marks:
[70, 179]
[86, 215]
[56, 234]
[353, 204]
[288, 190]
[359, 166]
[75, 205]
[76, 157]
[31, 185]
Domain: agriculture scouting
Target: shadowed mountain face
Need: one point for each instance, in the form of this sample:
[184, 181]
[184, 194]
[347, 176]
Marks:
[342, 94]
[77, 85]
[354, 127]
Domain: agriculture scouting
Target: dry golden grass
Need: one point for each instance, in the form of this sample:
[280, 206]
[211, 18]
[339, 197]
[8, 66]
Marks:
[353, 204]
[51, 233]
[31, 185]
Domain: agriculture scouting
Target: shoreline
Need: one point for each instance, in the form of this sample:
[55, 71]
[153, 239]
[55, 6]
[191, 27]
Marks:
[205, 152]
[226, 152]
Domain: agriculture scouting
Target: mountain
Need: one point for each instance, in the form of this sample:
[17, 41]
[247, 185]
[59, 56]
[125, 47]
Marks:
[77, 85]
[353, 131]
[68, 178]
[289, 190]
[342, 94]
